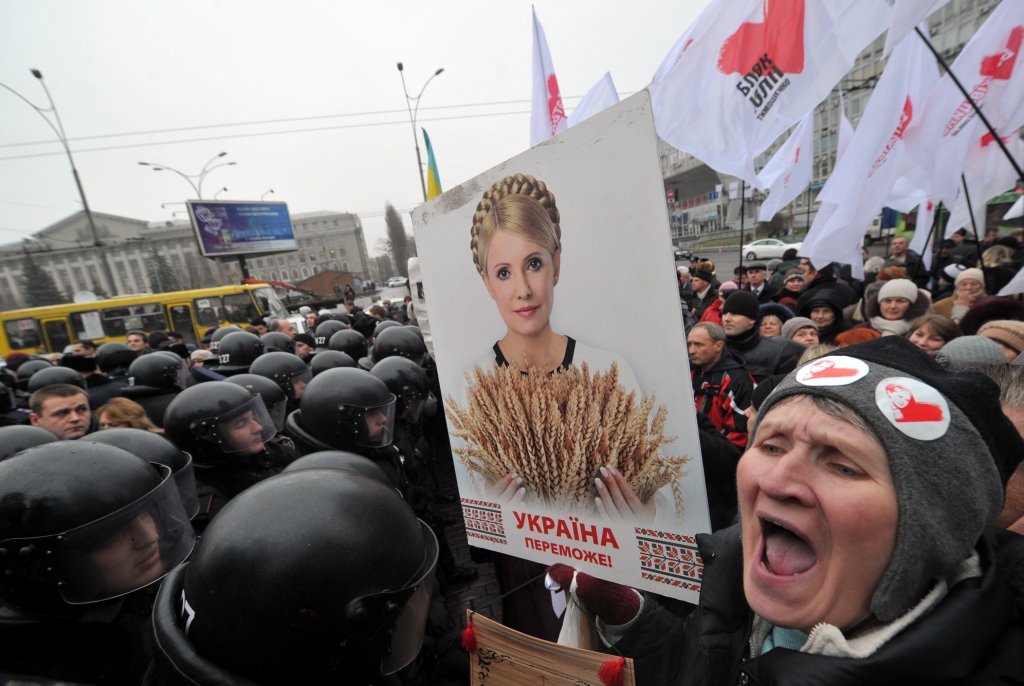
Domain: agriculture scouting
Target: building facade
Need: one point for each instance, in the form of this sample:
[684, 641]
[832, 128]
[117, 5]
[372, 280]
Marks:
[127, 260]
[696, 209]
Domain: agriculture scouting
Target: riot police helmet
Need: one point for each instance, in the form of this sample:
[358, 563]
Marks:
[329, 359]
[313, 599]
[160, 370]
[399, 341]
[114, 355]
[350, 342]
[272, 395]
[288, 371]
[237, 351]
[26, 371]
[339, 459]
[408, 381]
[82, 523]
[276, 341]
[216, 420]
[343, 409]
[49, 376]
[386, 324]
[324, 331]
[155, 448]
[14, 439]
[219, 334]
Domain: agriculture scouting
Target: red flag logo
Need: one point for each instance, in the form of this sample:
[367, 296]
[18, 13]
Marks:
[905, 408]
[1000, 65]
[555, 110]
[835, 370]
[780, 36]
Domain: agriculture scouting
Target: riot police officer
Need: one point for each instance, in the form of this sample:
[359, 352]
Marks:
[154, 380]
[49, 376]
[401, 341]
[270, 393]
[83, 527]
[236, 352]
[329, 359]
[15, 438]
[275, 341]
[293, 586]
[26, 370]
[339, 459]
[219, 335]
[289, 372]
[350, 342]
[228, 431]
[325, 330]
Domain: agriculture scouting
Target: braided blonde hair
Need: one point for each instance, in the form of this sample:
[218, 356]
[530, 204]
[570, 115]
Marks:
[520, 205]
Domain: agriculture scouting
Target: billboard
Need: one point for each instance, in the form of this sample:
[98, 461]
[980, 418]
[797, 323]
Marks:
[231, 228]
[575, 436]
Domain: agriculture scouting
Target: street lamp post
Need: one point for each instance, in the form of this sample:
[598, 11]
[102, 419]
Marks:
[413, 111]
[194, 180]
[62, 137]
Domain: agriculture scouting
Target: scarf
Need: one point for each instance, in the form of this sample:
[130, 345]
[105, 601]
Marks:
[890, 327]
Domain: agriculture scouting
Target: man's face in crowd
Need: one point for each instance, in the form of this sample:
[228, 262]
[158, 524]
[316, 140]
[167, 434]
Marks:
[68, 418]
[807, 270]
[262, 328]
[302, 349]
[704, 352]
[735, 324]
[755, 277]
[137, 342]
[958, 238]
[80, 349]
[699, 284]
[131, 559]
[899, 246]
[310, 321]
[288, 329]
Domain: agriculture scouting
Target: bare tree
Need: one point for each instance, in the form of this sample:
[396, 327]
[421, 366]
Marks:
[398, 243]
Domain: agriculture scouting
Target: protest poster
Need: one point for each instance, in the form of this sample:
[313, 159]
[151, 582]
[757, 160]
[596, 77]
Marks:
[581, 217]
[505, 657]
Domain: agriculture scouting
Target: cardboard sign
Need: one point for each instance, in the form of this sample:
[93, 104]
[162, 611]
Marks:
[558, 335]
[505, 657]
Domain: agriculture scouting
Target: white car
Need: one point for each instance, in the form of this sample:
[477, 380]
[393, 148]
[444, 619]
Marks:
[767, 249]
[396, 282]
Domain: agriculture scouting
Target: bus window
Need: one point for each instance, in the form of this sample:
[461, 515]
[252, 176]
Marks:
[269, 303]
[57, 334]
[87, 325]
[118, 321]
[23, 333]
[240, 308]
[209, 311]
[181, 321]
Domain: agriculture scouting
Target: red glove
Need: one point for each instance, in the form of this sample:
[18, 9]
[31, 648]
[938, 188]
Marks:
[614, 604]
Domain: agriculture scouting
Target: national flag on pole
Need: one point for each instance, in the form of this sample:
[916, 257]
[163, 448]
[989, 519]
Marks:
[789, 170]
[906, 14]
[990, 69]
[601, 96]
[864, 178]
[754, 69]
[547, 117]
[433, 178]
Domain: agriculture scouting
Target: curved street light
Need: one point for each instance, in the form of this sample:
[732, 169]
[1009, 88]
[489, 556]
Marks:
[269, 191]
[222, 190]
[194, 180]
[413, 112]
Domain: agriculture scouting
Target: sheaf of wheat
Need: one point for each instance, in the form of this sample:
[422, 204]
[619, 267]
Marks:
[557, 430]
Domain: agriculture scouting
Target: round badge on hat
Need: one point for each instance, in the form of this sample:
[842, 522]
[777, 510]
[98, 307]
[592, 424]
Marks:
[913, 407]
[834, 370]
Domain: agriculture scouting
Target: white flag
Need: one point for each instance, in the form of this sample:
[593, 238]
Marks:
[988, 173]
[788, 172]
[754, 69]
[906, 14]
[1016, 210]
[989, 68]
[1015, 286]
[547, 117]
[601, 96]
[921, 243]
[864, 177]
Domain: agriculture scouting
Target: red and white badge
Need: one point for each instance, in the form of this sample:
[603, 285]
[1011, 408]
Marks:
[913, 407]
[834, 370]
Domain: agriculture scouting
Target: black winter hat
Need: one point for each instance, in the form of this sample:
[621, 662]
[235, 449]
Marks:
[703, 274]
[743, 303]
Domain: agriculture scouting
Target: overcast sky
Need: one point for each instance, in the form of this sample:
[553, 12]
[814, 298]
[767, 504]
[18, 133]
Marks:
[130, 67]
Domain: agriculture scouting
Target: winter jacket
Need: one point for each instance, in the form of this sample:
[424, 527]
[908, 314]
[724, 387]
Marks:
[765, 356]
[102, 388]
[719, 456]
[826, 297]
[826, 280]
[778, 278]
[767, 291]
[153, 400]
[787, 298]
[701, 304]
[975, 635]
[713, 312]
[722, 393]
[912, 266]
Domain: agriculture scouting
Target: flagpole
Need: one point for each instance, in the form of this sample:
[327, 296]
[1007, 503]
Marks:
[981, 115]
[974, 225]
[808, 208]
[924, 250]
[743, 215]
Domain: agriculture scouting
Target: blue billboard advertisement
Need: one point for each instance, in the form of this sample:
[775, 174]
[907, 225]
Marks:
[230, 228]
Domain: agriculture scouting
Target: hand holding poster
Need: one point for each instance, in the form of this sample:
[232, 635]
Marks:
[575, 437]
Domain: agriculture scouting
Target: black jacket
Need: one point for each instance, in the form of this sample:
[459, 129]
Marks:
[765, 296]
[765, 356]
[153, 400]
[102, 388]
[913, 267]
[975, 635]
[843, 294]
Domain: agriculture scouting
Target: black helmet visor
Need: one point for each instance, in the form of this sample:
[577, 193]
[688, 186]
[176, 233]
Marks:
[373, 427]
[111, 556]
[298, 382]
[186, 480]
[241, 429]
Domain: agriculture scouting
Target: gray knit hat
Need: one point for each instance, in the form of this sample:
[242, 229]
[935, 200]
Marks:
[965, 351]
[795, 324]
[950, 450]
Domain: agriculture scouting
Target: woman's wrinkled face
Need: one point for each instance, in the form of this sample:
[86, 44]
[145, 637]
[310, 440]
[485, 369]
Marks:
[521, 277]
[822, 316]
[894, 308]
[806, 336]
[969, 286]
[246, 433]
[131, 559]
[927, 340]
[819, 513]
[771, 327]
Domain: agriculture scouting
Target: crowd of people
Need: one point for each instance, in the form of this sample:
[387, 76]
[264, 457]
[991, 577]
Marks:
[304, 464]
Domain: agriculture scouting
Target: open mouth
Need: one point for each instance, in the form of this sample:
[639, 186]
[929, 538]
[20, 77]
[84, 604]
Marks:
[785, 552]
